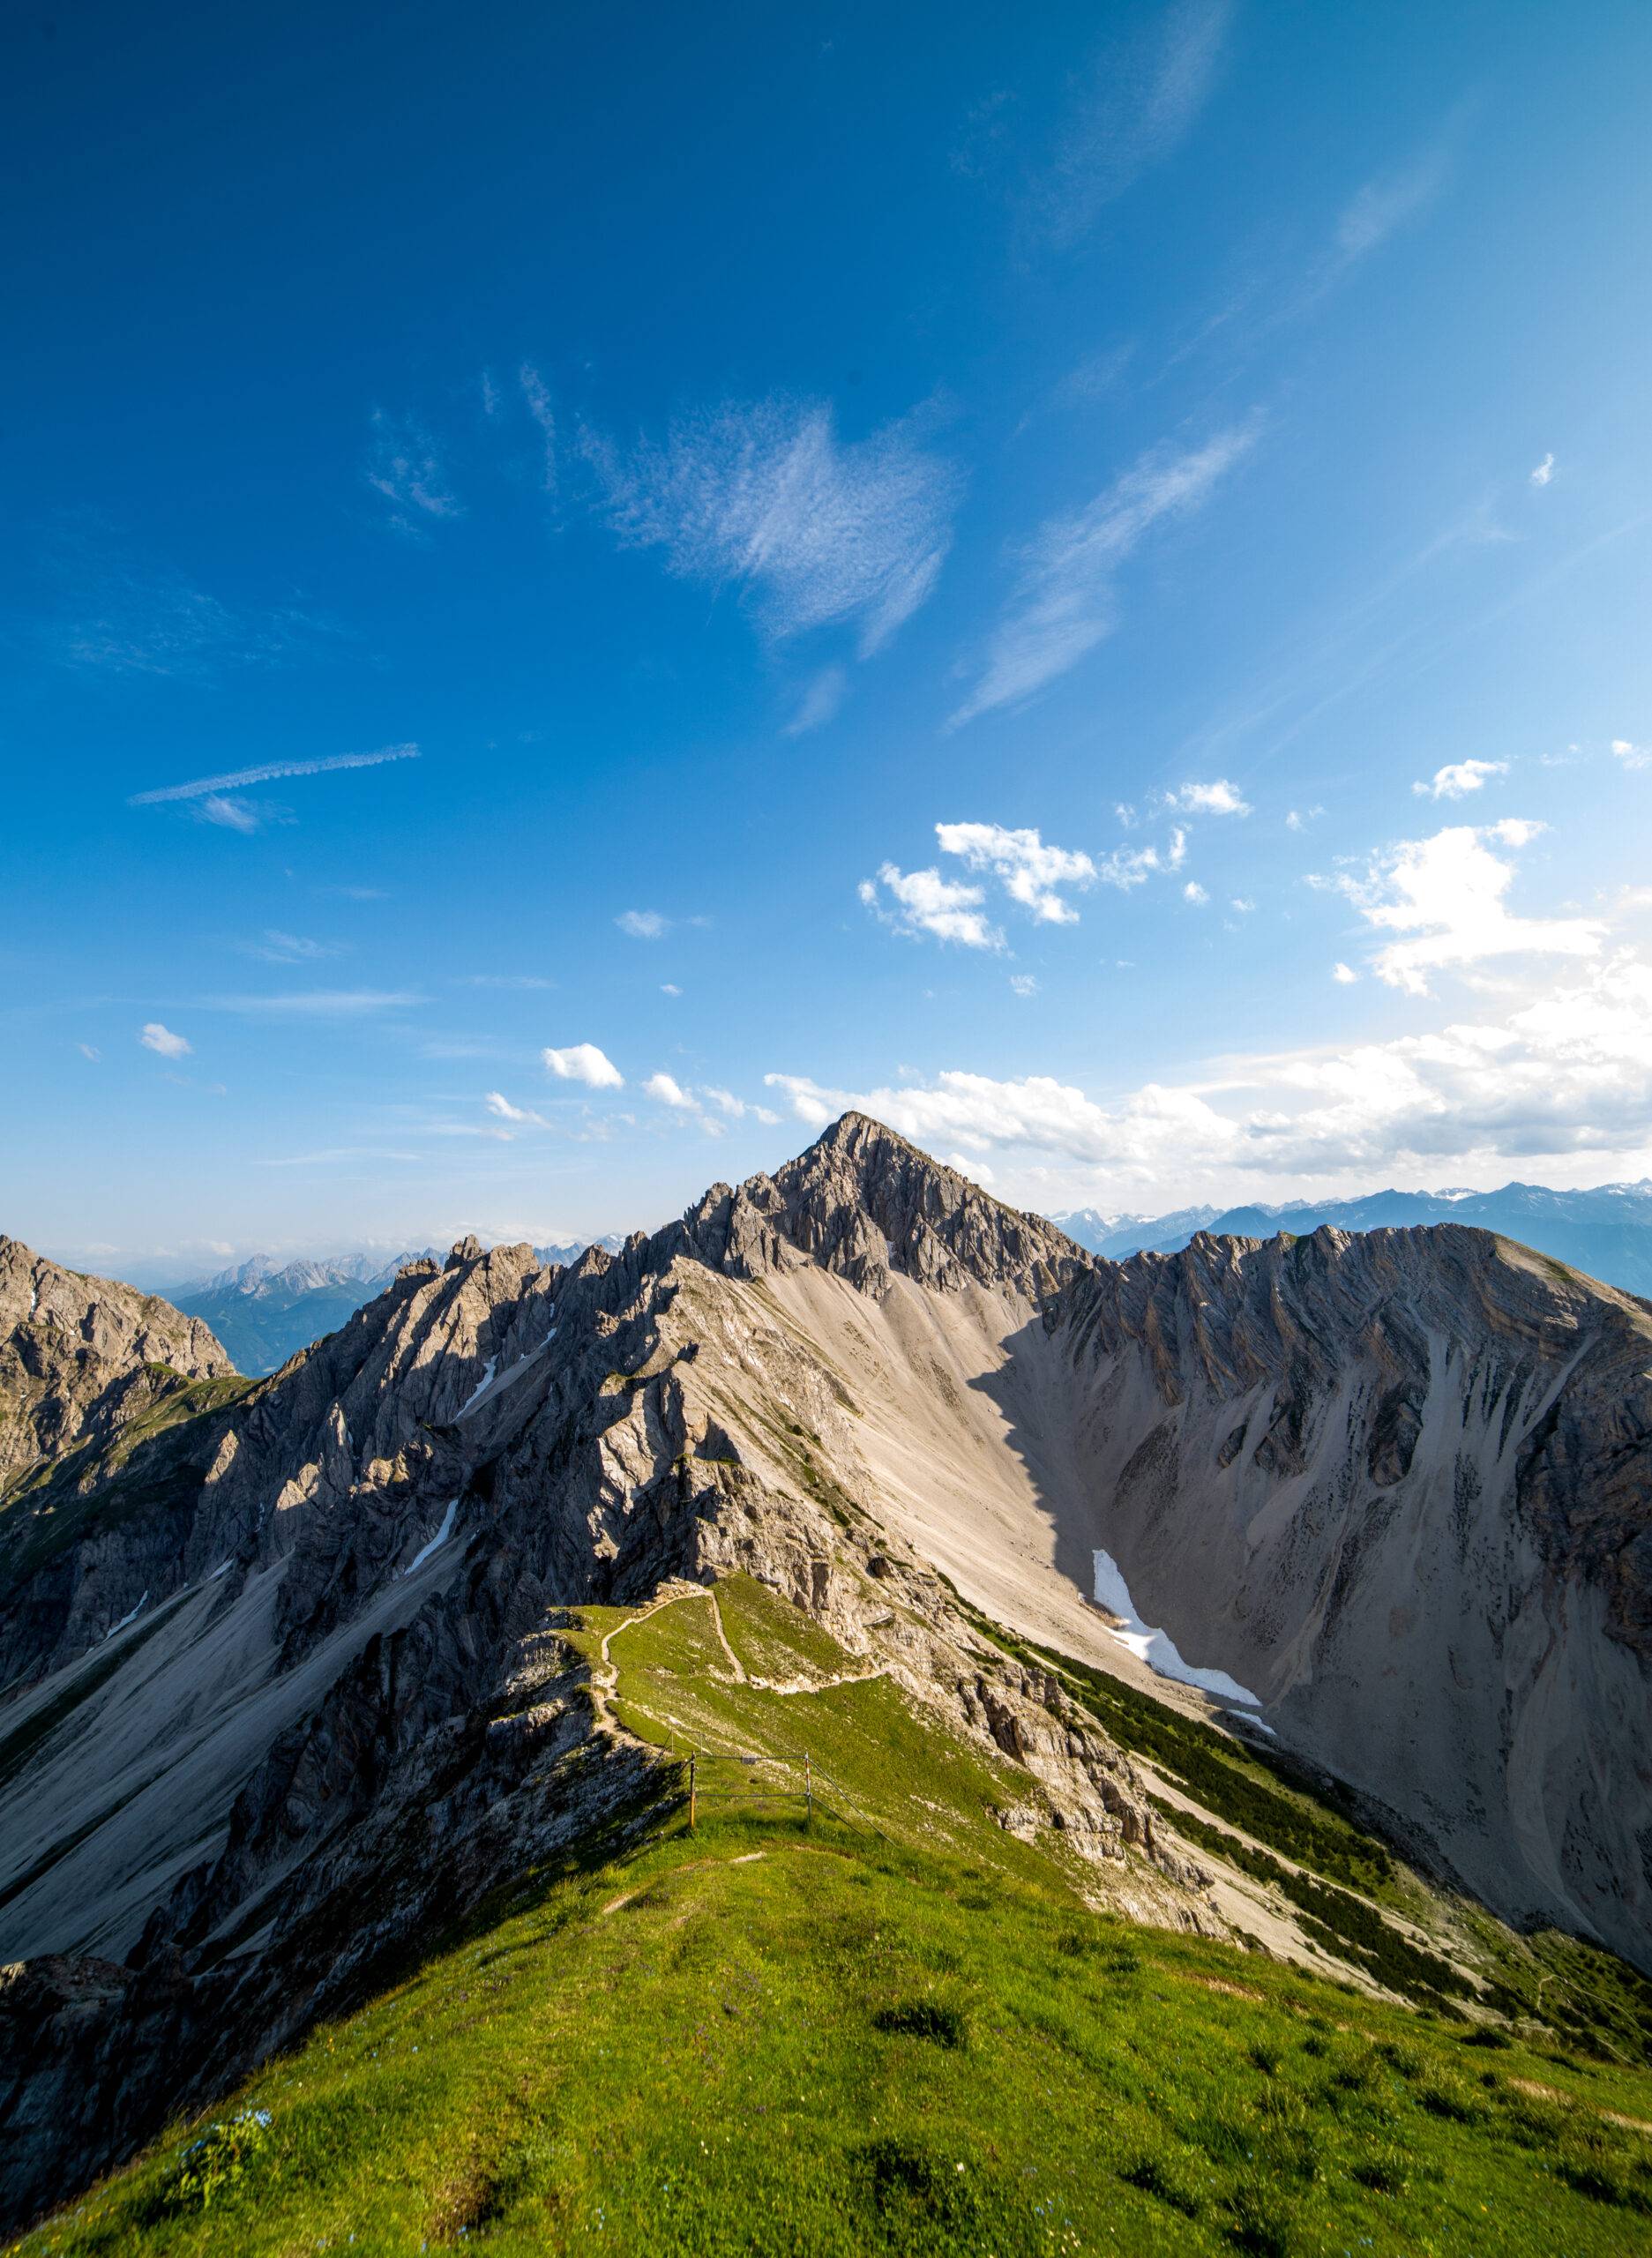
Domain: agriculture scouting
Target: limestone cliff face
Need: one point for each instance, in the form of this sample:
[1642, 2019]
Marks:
[1400, 1484]
[74, 1358]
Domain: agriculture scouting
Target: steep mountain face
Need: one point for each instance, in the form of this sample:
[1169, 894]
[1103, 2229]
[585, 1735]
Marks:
[324, 1691]
[1400, 1484]
[81, 1357]
[1606, 1232]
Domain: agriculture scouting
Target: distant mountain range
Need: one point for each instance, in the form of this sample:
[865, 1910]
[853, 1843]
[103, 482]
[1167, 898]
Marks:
[265, 1313]
[1605, 1232]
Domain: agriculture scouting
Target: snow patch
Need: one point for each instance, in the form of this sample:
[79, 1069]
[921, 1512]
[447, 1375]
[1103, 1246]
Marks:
[125, 1619]
[1243, 1717]
[489, 1386]
[1157, 1648]
[481, 1389]
[222, 1569]
[437, 1542]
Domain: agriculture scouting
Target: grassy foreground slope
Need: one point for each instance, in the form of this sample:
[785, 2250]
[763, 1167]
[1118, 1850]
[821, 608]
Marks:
[893, 2028]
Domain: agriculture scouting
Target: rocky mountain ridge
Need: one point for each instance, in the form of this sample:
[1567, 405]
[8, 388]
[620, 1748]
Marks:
[273, 1697]
[1605, 1231]
[265, 1313]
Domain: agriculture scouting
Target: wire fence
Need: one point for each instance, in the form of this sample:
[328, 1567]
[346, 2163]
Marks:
[715, 1776]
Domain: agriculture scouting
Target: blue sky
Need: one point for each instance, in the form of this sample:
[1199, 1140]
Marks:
[582, 593]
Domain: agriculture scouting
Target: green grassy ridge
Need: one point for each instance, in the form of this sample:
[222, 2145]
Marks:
[784, 2036]
[879, 1759]
[837, 2048]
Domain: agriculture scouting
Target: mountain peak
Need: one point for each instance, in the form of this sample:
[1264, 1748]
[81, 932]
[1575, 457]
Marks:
[866, 1202]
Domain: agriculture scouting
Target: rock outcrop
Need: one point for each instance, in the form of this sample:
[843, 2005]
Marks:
[79, 1356]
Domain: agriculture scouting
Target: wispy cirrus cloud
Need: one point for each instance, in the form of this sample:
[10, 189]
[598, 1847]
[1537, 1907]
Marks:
[267, 771]
[1388, 202]
[822, 696]
[643, 924]
[1137, 101]
[277, 947]
[812, 530]
[536, 400]
[320, 1003]
[112, 610]
[402, 467]
[1063, 605]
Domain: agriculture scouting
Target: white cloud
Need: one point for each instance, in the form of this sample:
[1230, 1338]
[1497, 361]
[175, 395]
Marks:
[1299, 818]
[1195, 893]
[1446, 894]
[1023, 983]
[89, 1050]
[762, 1113]
[669, 987]
[1063, 604]
[1545, 471]
[974, 1168]
[1562, 1081]
[156, 1037]
[1241, 905]
[667, 1092]
[1344, 975]
[1459, 778]
[725, 1102]
[1633, 756]
[402, 465]
[1141, 97]
[268, 772]
[1130, 866]
[583, 1062]
[642, 924]
[928, 903]
[1030, 871]
[1217, 798]
[767, 498]
[496, 1102]
[820, 702]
